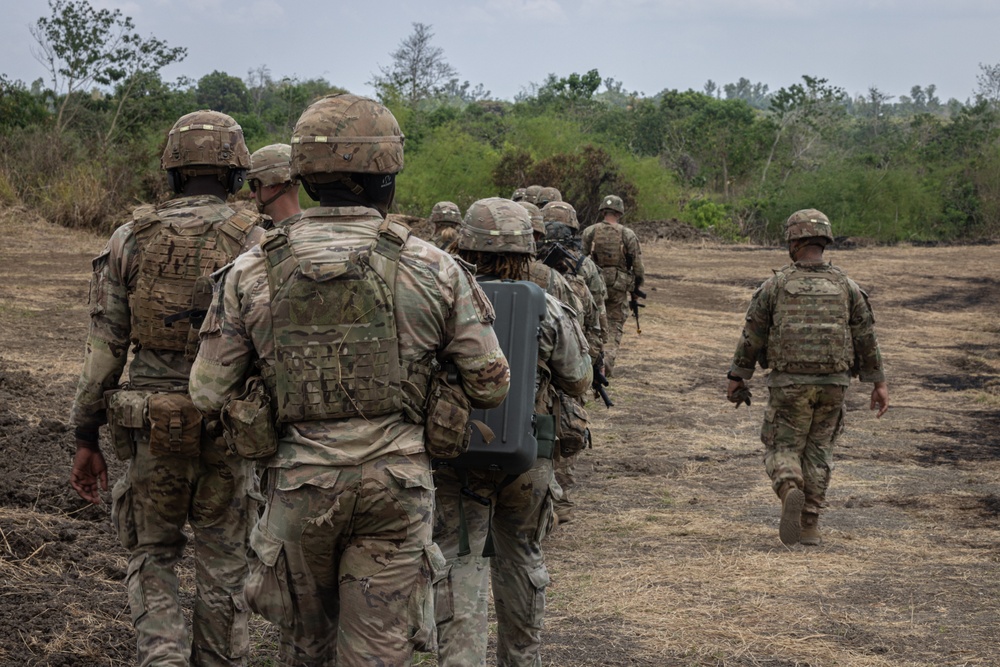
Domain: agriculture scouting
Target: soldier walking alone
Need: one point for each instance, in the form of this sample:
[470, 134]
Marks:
[813, 327]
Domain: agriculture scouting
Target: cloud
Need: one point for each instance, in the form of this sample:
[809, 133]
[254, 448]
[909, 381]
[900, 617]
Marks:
[533, 10]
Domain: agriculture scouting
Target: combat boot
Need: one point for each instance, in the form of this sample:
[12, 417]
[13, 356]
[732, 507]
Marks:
[810, 529]
[792, 502]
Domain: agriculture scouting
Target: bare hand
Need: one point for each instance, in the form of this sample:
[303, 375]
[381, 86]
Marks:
[880, 398]
[89, 468]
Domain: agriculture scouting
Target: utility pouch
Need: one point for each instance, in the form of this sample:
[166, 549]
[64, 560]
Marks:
[247, 422]
[174, 425]
[572, 429]
[545, 434]
[126, 412]
[446, 427]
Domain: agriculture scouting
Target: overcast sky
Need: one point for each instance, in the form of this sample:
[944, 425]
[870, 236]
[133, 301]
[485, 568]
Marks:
[649, 45]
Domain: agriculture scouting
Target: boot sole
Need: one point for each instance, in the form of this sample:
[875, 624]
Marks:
[790, 528]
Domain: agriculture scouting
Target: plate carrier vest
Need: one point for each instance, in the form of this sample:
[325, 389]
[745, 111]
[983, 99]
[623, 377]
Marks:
[335, 342]
[811, 330]
[174, 288]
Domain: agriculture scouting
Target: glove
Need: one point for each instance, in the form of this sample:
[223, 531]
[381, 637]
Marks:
[740, 396]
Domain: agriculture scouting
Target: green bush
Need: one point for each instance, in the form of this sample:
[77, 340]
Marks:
[713, 217]
[450, 165]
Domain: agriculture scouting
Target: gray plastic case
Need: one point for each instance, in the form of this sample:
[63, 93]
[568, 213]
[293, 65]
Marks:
[520, 307]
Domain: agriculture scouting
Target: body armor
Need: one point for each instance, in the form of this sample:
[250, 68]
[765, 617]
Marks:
[176, 259]
[335, 341]
[811, 330]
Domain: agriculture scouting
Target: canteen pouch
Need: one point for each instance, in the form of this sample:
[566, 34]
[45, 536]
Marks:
[573, 434]
[174, 425]
[126, 412]
[446, 426]
[247, 422]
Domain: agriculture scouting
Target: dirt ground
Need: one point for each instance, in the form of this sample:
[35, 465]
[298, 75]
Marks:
[673, 556]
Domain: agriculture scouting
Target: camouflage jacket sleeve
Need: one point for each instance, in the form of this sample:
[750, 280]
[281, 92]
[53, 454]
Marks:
[226, 352]
[471, 343]
[587, 240]
[108, 339]
[867, 355]
[753, 342]
[563, 348]
[634, 250]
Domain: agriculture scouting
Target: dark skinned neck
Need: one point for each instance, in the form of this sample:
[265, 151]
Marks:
[204, 185]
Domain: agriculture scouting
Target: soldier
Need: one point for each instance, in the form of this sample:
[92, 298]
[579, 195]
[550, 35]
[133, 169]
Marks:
[496, 237]
[615, 249]
[150, 289]
[518, 194]
[546, 195]
[347, 316]
[813, 327]
[274, 190]
[446, 217]
[573, 417]
[531, 194]
[563, 215]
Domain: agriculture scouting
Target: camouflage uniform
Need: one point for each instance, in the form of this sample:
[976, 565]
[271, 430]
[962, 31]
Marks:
[616, 250]
[520, 513]
[344, 556]
[446, 217]
[159, 493]
[805, 408]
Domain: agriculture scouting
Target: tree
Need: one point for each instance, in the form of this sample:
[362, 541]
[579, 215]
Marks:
[988, 88]
[223, 92]
[81, 46]
[418, 71]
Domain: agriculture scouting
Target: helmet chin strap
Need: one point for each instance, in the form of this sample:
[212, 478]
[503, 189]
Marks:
[264, 203]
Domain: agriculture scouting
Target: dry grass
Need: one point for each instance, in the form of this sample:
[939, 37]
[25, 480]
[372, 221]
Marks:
[673, 556]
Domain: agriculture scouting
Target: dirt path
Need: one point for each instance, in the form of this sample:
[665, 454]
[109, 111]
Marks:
[673, 557]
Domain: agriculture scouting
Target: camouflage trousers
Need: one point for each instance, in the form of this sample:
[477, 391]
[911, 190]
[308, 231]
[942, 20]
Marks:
[801, 425]
[518, 518]
[565, 472]
[151, 503]
[345, 563]
[618, 312]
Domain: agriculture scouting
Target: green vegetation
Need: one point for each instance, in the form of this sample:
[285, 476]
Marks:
[735, 158]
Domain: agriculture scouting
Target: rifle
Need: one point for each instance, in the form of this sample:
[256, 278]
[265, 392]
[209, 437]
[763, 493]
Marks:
[558, 257]
[600, 382]
[634, 306]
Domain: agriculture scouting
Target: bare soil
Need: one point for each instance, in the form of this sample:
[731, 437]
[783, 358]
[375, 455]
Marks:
[673, 555]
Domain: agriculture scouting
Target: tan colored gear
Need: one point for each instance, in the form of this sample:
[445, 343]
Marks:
[205, 139]
[497, 225]
[271, 165]
[346, 134]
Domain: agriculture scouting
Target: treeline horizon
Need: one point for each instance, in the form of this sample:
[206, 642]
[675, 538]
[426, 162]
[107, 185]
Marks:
[736, 158]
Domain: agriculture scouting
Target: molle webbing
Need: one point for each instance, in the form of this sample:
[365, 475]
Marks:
[811, 330]
[336, 347]
[608, 250]
[174, 289]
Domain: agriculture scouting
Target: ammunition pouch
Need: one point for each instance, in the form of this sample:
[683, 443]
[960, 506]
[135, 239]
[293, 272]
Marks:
[174, 425]
[448, 423]
[126, 412]
[248, 422]
[571, 427]
[545, 435]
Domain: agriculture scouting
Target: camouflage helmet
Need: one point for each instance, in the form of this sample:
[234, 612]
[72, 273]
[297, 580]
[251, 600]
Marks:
[612, 203]
[205, 139]
[346, 134]
[518, 194]
[548, 194]
[497, 225]
[560, 211]
[535, 213]
[271, 165]
[531, 193]
[446, 212]
[808, 223]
